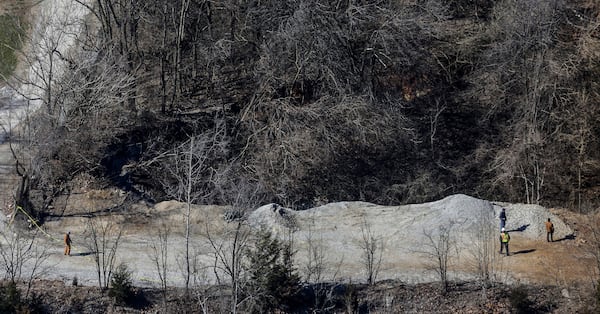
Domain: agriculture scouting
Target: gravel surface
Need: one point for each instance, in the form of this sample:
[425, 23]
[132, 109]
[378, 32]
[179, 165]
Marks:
[335, 230]
[338, 229]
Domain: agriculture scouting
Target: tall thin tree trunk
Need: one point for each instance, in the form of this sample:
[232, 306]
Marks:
[187, 216]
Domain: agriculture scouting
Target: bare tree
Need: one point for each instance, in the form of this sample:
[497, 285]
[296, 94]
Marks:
[22, 256]
[229, 247]
[159, 255]
[229, 258]
[315, 251]
[316, 267]
[438, 251]
[183, 11]
[34, 87]
[372, 248]
[102, 239]
[72, 104]
[518, 68]
[191, 177]
[483, 247]
[119, 30]
[434, 117]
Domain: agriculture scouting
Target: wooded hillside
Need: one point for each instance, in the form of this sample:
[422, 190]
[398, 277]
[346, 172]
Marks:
[303, 101]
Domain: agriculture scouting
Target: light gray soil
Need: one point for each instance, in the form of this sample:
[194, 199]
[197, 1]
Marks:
[335, 230]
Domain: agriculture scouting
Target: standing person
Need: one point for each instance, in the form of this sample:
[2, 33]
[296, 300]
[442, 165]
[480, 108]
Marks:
[549, 231]
[68, 243]
[504, 239]
[502, 218]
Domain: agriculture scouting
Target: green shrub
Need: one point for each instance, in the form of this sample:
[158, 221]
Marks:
[274, 282]
[10, 298]
[121, 287]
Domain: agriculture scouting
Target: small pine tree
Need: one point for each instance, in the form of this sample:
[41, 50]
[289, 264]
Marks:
[10, 298]
[274, 282]
[121, 286]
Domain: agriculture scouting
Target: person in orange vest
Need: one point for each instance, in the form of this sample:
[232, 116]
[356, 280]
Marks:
[549, 231]
[504, 239]
[68, 243]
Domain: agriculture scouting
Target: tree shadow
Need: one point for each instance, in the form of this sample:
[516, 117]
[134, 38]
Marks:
[523, 251]
[520, 229]
[82, 254]
[567, 237]
[139, 300]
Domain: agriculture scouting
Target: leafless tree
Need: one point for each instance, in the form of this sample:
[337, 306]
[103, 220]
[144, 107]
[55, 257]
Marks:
[439, 249]
[102, 239]
[120, 23]
[22, 256]
[229, 258]
[34, 88]
[434, 118]
[72, 102]
[183, 11]
[483, 247]
[229, 247]
[594, 241]
[189, 177]
[372, 248]
[577, 114]
[315, 251]
[159, 255]
[316, 267]
[519, 65]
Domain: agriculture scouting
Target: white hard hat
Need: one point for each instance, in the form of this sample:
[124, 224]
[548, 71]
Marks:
[503, 229]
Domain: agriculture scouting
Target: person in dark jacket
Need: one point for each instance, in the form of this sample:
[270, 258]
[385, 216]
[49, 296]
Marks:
[549, 231]
[502, 218]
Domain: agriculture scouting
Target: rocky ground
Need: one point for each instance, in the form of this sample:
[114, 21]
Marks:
[336, 230]
[564, 270]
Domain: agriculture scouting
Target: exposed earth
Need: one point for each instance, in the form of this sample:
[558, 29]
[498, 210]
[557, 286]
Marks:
[561, 270]
[335, 228]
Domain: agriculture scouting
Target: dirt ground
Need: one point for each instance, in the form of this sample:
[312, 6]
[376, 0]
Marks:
[565, 262]
[560, 270]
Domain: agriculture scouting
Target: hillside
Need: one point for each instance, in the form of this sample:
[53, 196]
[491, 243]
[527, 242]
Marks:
[312, 102]
[362, 125]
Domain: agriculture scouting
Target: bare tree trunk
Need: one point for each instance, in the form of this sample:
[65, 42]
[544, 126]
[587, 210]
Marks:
[438, 249]
[17, 251]
[163, 61]
[177, 77]
[372, 251]
[103, 241]
[188, 197]
[433, 123]
[159, 256]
